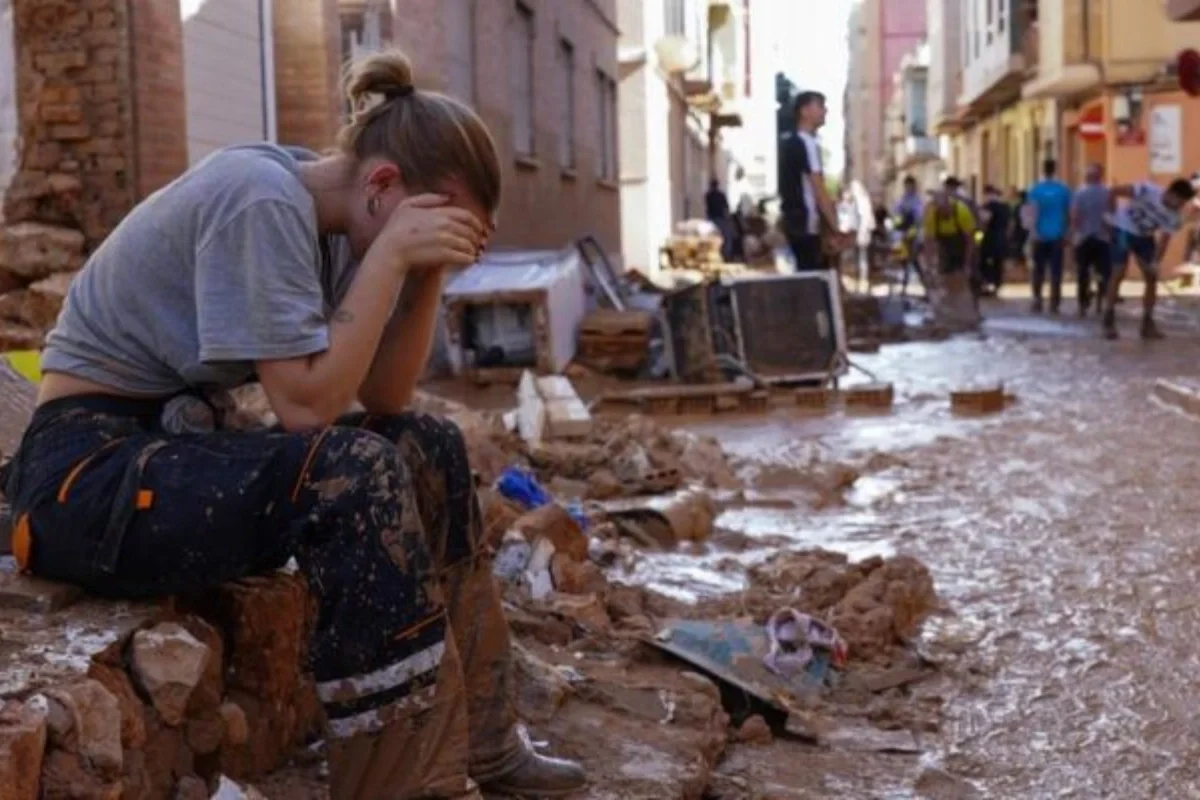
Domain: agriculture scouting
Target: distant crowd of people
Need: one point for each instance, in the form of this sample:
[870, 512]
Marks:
[1104, 227]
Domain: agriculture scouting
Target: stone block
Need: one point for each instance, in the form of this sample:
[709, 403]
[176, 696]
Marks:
[169, 663]
[265, 621]
[44, 300]
[17, 336]
[76, 132]
[22, 747]
[33, 250]
[84, 718]
[26, 593]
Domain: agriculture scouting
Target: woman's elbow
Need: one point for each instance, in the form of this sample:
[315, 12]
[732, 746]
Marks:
[301, 421]
[300, 417]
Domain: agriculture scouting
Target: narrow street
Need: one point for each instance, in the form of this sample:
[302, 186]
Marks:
[1062, 538]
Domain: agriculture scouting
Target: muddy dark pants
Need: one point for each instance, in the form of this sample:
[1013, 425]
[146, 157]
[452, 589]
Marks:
[380, 512]
[1093, 256]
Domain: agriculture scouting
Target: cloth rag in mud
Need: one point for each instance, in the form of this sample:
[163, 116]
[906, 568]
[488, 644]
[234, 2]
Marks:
[523, 488]
[734, 652]
[795, 638]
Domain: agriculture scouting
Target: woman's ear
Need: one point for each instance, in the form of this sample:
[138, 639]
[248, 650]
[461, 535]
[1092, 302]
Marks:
[382, 177]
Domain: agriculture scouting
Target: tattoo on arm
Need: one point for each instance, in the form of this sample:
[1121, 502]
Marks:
[343, 316]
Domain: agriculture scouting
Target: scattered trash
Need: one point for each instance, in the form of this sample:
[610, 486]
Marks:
[734, 651]
[794, 640]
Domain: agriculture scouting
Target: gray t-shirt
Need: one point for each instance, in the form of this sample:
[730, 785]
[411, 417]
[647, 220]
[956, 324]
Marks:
[1091, 206]
[221, 268]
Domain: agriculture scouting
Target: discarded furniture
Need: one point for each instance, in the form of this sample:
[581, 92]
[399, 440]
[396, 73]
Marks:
[780, 328]
[514, 311]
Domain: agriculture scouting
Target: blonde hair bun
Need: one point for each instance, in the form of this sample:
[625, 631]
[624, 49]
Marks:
[387, 74]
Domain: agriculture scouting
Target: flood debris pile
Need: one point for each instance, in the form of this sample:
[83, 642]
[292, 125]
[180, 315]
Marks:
[599, 655]
[106, 700]
[876, 604]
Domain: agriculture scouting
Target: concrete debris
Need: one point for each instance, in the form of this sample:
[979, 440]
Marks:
[229, 790]
[85, 718]
[755, 731]
[553, 523]
[22, 743]
[169, 662]
[32, 250]
[549, 407]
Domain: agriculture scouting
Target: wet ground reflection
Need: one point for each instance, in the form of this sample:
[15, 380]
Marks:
[1063, 535]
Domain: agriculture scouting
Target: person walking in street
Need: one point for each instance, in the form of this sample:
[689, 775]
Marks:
[909, 215]
[1051, 200]
[949, 236]
[319, 277]
[810, 219]
[743, 210]
[994, 247]
[1092, 237]
[1144, 226]
[716, 210]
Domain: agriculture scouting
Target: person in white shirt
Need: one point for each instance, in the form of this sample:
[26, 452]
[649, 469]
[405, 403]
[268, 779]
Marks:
[1144, 225]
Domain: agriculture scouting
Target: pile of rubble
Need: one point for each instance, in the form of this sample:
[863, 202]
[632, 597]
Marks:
[179, 699]
[106, 700]
[695, 245]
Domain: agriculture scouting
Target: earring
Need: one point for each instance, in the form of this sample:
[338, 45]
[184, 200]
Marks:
[372, 205]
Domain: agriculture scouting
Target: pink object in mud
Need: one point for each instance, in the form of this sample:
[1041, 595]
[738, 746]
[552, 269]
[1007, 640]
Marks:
[793, 636]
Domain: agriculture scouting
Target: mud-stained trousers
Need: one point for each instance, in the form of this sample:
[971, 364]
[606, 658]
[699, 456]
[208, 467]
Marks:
[410, 651]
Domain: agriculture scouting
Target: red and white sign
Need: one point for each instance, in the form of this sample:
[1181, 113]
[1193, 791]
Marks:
[1091, 124]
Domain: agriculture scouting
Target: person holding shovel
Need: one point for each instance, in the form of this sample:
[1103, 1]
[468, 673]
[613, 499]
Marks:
[319, 277]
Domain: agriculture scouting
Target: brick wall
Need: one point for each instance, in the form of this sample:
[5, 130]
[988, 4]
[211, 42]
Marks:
[543, 207]
[159, 109]
[81, 91]
[307, 71]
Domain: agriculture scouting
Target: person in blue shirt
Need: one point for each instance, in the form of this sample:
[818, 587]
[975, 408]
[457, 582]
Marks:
[1051, 200]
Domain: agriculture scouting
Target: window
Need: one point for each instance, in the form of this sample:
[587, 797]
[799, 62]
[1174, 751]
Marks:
[459, 18]
[991, 19]
[521, 78]
[606, 128]
[566, 127]
[675, 12]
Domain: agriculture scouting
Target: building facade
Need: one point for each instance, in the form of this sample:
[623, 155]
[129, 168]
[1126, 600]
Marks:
[682, 87]
[912, 145]
[944, 79]
[881, 33]
[544, 76]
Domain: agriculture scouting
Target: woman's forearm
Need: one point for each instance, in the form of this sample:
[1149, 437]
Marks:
[311, 392]
[405, 346]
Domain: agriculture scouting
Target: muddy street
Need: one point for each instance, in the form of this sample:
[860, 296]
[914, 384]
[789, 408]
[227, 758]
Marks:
[1062, 538]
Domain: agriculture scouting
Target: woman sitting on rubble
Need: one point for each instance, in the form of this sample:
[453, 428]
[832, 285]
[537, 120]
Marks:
[321, 278]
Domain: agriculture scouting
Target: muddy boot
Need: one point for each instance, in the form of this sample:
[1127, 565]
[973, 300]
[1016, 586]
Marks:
[535, 776]
[1150, 329]
[421, 751]
[501, 759]
[1110, 324]
[1036, 305]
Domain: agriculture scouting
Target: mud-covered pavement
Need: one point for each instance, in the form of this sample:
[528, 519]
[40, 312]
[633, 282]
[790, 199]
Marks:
[1062, 536]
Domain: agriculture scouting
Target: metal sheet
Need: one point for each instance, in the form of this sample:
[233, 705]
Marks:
[513, 271]
[733, 651]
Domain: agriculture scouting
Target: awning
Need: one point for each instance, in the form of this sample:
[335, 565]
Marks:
[1070, 80]
[1183, 10]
